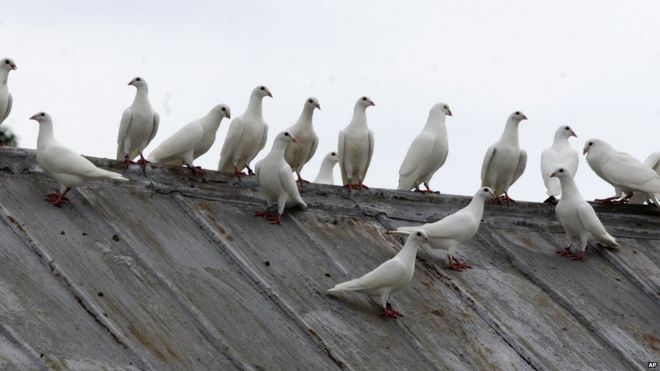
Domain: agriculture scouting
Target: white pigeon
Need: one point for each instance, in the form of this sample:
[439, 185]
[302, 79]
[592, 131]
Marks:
[191, 141]
[356, 146]
[6, 65]
[621, 170]
[275, 178]
[67, 167]
[561, 154]
[454, 229]
[389, 277]
[653, 161]
[297, 155]
[504, 162]
[326, 176]
[578, 218]
[138, 126]
[247, 136]
[427, 153]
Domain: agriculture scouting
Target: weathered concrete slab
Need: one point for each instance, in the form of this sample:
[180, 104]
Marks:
[172, 272]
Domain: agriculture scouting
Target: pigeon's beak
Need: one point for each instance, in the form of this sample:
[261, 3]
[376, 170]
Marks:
[427, 239]
[228, 115]
[371, 103]
[294, 140]
[268, 93]
[573, 134]
[553, 174]
[34, 117]
[130, 82]
[13, 66]
[585, 150]
[449, 112]
[524, 117]
[317, 105]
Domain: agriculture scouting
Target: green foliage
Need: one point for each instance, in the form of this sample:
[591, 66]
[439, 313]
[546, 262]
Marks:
[7, 138]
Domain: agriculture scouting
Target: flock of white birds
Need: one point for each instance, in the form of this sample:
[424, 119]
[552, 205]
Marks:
[503, 164]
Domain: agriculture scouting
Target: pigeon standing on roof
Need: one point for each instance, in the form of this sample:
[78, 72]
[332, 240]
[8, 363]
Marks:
[247, 136]
[452, 230]
[389, 277]
[504, 162]
[138, 127]
[326, 176]
[191, 141]
[275, 178]
[6, 65]
[561, 154]
[356, 146]
[427, 153]
[298, 154]
[578, 218]
[622, 171]
[67, 167]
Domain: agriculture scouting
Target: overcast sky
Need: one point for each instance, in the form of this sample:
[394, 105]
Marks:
[594, 65]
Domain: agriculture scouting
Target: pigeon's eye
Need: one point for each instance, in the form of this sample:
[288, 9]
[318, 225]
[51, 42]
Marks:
[6, 62]
[485, 189]
[334, 153]
[310, 101]
[42, 114]
[263, 88]
[364, 98]
[286, 134]
[138, 79]
[419, 234]
[561, 170]
[223, 109]
[591, 143]
[567, 128]
[517, 112]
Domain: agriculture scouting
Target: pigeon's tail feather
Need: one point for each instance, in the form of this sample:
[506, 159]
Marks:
[405, 183]
[608, 241]
[120, 152]
[105, 174]
[352, 285]
[554, 187]
[225, 166]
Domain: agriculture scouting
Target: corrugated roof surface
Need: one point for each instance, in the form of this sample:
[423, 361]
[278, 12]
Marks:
[172, 272]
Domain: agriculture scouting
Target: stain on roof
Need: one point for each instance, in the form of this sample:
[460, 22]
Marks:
[171, 272]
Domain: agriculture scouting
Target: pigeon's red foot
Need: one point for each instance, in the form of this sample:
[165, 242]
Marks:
[277, 220]
[250, 172]
[264, 214]
[351, 186]
[580, 256]
[425, 191]
[197, 170]
[616, 200]
[565, 252]
[505, 198]
[458, 266]
[302, 181]
[388, 307]
[143, 162]
[128, 161]
[57, 199]
[362, 186]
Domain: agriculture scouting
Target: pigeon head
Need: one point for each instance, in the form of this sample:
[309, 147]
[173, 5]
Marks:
[485, 193]
[595, 146]
[286, 137]
[560, 173]
[365, 102]
[138, 82]
[41, 117]
[419, 236]
[517, 116]
[312, 103]
[332, 156]
[222, 110]
[442, 108]
[262, 91]
[565, 132]
[7, 64]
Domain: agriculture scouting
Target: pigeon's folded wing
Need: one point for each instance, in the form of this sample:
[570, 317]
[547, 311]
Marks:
[623, 169]
[124, 124]
[342, 159]
[520, 168]
[388, 274]
[7, 109]
[485, 166]
[62, 160]
[289, 184]
[232, 139]
[180, 142]
[154, 129]
[418, 154]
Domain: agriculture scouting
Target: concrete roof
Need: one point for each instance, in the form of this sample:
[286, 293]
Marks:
[172, 272]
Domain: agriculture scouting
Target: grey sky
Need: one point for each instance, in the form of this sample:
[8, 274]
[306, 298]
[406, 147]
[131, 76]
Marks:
[594, 65]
